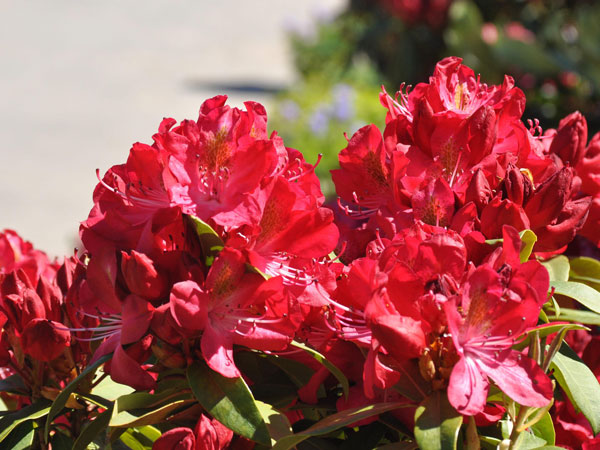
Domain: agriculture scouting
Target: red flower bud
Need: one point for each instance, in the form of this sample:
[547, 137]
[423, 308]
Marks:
[141, 276]
[45, 340]
[549, 198]
[517, 186]
[571, 138]
[570, 220]
[32, 307]
[479, 190]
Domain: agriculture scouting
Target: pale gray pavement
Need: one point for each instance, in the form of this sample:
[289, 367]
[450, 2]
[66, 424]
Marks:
[81, 80]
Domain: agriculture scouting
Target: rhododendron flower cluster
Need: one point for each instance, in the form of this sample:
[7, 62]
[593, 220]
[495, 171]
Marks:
[433, 296]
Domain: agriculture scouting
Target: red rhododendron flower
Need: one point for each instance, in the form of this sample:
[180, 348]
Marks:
[495, 310]
[15, 253]
[232, 307]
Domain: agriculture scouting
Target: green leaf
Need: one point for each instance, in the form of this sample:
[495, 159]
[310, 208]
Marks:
[13, 385]
[144, 400]
[576, 315]
[130, 439]
[529, 239]
[149, 432]
[93, 429]
[337, 373]
[437, 423]
[111, 390]
[337, 421]
[404, 445]
[299, 374]
[587, 296]
[558, 268]
[544, 429]
[528, 441]
[60, 441]
[488, 442]
[210, 241]
[31, 412]
[579, 383]
[586, 270]
[127, 419]
[277, 423]
[229, 401]
[21, 437]
[546, 330]
[61, 400]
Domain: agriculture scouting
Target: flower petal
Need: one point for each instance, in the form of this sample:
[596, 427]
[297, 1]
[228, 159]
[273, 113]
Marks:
[468, 388]
[520, 378]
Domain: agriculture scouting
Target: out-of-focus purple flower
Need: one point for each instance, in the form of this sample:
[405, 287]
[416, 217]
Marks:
[290, 110]
[343, 102]
[319, 120]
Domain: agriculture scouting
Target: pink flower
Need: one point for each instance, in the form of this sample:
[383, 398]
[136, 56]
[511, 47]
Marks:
[232, 307]
[483, 336]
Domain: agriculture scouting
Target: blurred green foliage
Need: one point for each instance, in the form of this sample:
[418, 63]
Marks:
[313, 115]
[551, 48]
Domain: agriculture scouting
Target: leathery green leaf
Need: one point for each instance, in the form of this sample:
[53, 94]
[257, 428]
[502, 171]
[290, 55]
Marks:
[31, 412]
[558, 268]
[93, 429]
[437, 423]
[228, 400]
[337, 421]
[584, 294]
[586, 270]
[579, 383]
[61, 400]
[126, 419]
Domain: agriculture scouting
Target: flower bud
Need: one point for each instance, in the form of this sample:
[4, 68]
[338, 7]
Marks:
[141, 276]
[549, 198]
[571, 138]
[517, 186]
[479, 190]
[45, 340]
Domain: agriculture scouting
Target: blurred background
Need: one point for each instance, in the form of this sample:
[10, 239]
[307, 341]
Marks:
[81, 81]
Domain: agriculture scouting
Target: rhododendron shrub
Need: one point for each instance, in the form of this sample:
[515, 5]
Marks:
[219, 303]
